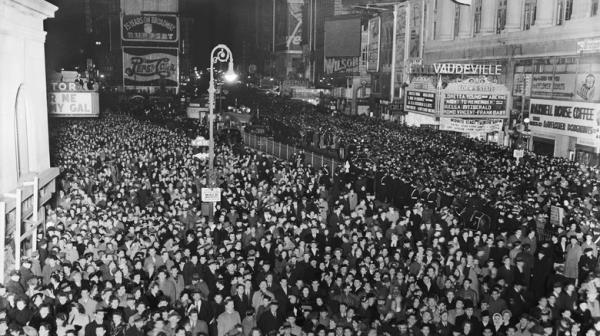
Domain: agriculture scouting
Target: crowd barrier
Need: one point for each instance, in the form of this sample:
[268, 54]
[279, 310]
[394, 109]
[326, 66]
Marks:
[288, 152]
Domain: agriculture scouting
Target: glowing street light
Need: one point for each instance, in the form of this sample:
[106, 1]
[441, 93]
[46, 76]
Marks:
[220, 54]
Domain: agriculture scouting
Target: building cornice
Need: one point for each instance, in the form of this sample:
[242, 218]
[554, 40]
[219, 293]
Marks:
[40, 8]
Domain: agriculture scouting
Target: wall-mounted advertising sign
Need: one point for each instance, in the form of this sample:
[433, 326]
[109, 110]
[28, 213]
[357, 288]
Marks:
[471, 125]
[560, 86]
[150, 67]
[420, 101]
[288, 25]
[150, 28]
[374, 44]
[342, 65]
[585, 87]
[468, 69]
[72, 100]
[588, 46]
[577, 119]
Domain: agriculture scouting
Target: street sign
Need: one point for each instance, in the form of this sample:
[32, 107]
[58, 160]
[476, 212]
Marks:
[518, 153]
[211, 194]
[200, 142]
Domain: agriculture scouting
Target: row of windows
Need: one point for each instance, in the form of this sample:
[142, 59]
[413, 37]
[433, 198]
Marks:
[564, 11]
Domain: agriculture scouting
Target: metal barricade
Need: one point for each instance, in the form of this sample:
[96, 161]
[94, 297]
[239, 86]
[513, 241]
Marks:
[286, 152]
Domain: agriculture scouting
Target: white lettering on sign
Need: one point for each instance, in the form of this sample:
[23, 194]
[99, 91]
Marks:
[62, 86]
[468, 69]
[68, 103]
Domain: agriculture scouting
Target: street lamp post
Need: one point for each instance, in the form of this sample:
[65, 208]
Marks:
[220, 54]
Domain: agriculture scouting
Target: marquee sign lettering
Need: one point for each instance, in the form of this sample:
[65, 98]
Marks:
[468, 69]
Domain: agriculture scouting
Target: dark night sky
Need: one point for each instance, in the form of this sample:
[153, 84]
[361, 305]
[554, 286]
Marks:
[215, 22]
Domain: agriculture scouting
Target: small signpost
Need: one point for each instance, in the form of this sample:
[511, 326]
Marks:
[556, 215]
[211, 195]
[518, 154]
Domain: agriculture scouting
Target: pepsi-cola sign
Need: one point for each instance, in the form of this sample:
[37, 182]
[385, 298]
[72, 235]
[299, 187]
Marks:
[150, 67]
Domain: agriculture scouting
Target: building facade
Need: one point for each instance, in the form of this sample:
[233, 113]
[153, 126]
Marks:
[549, 53]
[26, 177]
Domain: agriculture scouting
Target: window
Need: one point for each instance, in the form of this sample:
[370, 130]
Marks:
[594, 10]
[568, 9]
[456, 20]
[529, 14]
[21, 132]
[560, 12]
[564, 9]
[477, 16]
[435, 18]
[501, 17]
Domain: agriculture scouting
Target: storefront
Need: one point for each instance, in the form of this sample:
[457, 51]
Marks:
[566, 129]
[560, 96]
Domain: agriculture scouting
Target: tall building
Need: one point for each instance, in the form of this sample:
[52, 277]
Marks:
[549, 55]
[27, 181]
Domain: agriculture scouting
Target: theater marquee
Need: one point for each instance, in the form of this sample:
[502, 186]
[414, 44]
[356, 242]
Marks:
[72, 100]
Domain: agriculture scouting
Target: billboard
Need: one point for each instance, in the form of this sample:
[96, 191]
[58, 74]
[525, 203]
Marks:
[558, 86]
[585, 87]
[342, 66]
[342, 37]
[72, 100]
[150, 67]
[150, 28]
[415, 29]
[576, 119]
[401, 42]
[342, 46]
[386, 42]
[288, 25]
[471, 125]
[373, 44]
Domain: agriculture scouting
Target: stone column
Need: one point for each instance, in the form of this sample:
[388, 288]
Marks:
[581, 9]
[446, 11]
[514, 15]
[488, 16]
[545, 13]
[465, 27]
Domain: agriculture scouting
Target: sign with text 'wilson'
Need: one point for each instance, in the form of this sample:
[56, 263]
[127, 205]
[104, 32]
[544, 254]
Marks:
[150, 67]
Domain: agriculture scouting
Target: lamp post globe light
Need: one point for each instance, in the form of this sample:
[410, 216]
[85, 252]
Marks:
[220, 54]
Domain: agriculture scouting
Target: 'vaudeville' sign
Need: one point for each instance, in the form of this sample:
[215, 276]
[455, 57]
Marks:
[468, 69]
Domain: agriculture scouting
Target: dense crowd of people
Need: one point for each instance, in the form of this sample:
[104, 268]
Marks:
[466, 247]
